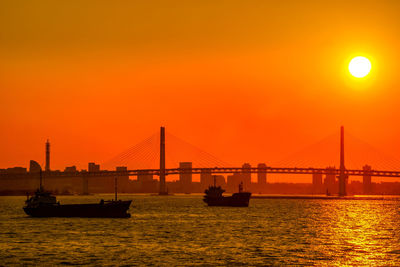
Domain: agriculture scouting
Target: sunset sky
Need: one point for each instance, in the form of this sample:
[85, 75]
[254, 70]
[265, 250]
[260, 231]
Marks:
[247, 81]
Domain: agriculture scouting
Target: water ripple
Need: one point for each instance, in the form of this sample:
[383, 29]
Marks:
[181, 231]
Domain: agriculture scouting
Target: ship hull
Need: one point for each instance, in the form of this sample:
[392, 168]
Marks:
[117, 209]
[236, 200]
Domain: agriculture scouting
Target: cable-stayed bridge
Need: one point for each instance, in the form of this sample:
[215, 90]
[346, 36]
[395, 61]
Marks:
[341, 173]
[161, 153]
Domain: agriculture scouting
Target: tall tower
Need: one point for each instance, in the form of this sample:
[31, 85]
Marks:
[162, 162]
[47, 167]
[342, 175]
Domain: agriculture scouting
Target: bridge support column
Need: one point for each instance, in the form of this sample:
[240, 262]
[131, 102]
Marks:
[342, 175]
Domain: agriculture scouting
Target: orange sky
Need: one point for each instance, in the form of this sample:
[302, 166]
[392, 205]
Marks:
[246, 81]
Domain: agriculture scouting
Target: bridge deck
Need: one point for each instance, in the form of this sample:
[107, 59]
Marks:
[215, 170]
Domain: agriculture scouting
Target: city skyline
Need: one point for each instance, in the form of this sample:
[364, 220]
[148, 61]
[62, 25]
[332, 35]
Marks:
[96, 180]
[134, 156]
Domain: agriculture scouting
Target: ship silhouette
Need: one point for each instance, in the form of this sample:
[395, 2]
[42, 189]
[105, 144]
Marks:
[213, 197]
[44, 204]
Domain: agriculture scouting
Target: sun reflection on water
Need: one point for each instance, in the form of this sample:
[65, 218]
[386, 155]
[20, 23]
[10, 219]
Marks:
[357, 232]
[181, 230]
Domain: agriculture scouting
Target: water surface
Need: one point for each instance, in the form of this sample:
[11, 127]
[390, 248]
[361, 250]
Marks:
[182, 230]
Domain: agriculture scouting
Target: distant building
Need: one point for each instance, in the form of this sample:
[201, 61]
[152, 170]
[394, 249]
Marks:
[206, 179]
[70, 169]
[10, 180]
[93, 167]
[97, 183]
[367, 185]
[233, 182]
[330, 184]
[16, 170]
[262, 174]
[34, 166]
[124, 184]
[246, 176]
[185, 176]
[121, 169]
[144, 176]
[146, 183]
[219, 181]
[317, 186]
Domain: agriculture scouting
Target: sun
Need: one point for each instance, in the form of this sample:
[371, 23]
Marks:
[359, 67]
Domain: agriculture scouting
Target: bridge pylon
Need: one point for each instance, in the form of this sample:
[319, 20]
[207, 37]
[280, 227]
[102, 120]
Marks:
[163, 190]
[342, 174]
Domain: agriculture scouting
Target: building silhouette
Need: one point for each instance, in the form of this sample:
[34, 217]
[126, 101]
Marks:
[219, 181]
[367, 185]
[185, 176]
[93, 167]
[146, 183]
[34, 166]
[246, 176]
[206, 179]
[70, 169]
[330, 184]
[317, 186]
[262, 176]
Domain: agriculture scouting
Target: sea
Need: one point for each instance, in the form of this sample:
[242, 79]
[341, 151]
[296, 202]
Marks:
[180, 230]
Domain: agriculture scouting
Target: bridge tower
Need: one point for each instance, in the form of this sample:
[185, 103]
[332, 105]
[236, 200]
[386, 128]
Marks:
[342, 175]
[162, 162]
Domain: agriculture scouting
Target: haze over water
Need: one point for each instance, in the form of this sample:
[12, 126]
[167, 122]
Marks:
[182, 230]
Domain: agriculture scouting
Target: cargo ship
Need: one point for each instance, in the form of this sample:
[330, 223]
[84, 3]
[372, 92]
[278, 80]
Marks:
[44, 204]
[213, 197]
